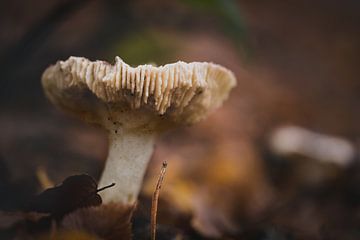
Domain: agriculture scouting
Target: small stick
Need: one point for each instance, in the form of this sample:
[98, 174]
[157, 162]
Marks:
[103, 188]
[155, 199]
[43, 178]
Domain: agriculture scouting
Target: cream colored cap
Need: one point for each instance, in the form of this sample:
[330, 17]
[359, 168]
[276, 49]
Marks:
[180, 92]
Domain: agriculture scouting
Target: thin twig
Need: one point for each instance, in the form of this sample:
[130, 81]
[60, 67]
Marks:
[155, 199]
[103, 188]
[43, 178]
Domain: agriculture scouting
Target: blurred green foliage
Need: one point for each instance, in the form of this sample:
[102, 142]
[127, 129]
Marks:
[150, 46]
[228, 11]
[159, 47]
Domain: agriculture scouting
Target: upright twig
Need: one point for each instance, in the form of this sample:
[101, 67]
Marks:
[155, 199]
[43, 178]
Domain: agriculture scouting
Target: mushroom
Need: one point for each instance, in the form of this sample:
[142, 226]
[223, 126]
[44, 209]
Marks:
[313, 158]
[134, 105]
[294, 140]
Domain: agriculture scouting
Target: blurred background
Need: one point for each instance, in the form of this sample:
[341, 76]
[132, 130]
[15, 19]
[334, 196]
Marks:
[280, 159]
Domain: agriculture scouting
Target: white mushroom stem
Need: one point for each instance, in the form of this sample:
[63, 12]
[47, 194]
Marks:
[128, 157]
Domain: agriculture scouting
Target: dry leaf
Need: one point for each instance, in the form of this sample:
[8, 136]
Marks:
[8, 219]
[75, 192]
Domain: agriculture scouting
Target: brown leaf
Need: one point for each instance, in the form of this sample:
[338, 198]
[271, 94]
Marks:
[75, 192]
[8, 219]
[109, 221]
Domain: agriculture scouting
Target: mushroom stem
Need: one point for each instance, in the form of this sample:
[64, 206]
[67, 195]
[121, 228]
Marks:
[128, 157]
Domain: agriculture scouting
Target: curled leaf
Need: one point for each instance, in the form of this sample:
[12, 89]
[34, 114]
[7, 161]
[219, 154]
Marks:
[75, 192]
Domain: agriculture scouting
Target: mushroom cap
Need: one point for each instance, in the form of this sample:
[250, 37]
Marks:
[180, 93]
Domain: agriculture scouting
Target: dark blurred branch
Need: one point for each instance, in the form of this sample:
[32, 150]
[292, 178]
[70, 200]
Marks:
[20, 52]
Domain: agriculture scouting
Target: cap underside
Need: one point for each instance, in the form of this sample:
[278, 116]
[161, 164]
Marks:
[181, 92]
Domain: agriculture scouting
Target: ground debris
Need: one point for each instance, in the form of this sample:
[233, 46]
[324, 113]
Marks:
[109, 221]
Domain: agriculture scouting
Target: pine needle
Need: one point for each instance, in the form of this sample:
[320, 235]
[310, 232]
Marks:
[43, 178]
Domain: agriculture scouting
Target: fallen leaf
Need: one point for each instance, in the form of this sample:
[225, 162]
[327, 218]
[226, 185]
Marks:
[9, 219]
[75, 192]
